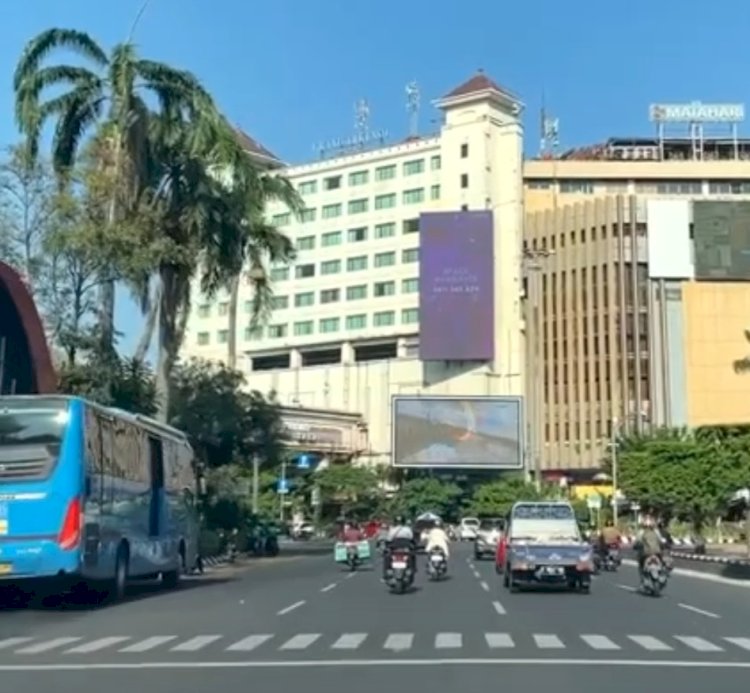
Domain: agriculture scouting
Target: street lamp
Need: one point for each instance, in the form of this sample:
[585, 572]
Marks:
[613, 450]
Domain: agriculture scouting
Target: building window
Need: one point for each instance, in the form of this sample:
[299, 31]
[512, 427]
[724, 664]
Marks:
[358, 178]
[307, 215]
[280, 302]
[412, 197]
[356, 322]
[309, 187]
[385, 230]
[330, 295]
[355, 264]
[252, 333]
[303, 328]
[203, 338]
[385, 172]
[281, 219]
[464, 180]
[279, 274]
[331, 238]
[330, 267]
[304, 299]
[223, 336]
[679, 187]
[464, 150]
[729, 187]
[384, 318]
[357, 206]
[223, 309]
[204, 310]
[384, 289]
[356, 293]
[435, 192]
[385, 259]
[277, 331]
[306, 243]
[304, 271]
[331, 211]
[411, 226]
[332, 183]
[248, 307]
[329, 325]
[538, 184]
[410, 286]
[435, 163]
[576, 186]
[409, 316]
[385, 201]
[411, 168]
[410, 255]
[357, 235]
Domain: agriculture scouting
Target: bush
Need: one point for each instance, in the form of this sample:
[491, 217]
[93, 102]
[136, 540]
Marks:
[209, 543]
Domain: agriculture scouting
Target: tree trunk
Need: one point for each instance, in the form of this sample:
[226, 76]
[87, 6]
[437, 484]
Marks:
[234, 297]
[168, 336]
[150, 327]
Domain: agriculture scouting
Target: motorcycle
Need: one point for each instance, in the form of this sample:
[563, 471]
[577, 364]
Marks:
[437, 564]
[400, 574]
[654, 576]
[611, 560]
[352, 557]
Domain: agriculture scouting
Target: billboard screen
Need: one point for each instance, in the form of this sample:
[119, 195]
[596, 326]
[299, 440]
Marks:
[721, 232]
[670, 252]
[445, 432]
[456, 288]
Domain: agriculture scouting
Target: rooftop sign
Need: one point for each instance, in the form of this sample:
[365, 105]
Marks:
[697, 112]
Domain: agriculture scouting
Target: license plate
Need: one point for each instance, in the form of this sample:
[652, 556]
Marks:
[437, 559]
[399, 565]
[552, 570]
[6, 568]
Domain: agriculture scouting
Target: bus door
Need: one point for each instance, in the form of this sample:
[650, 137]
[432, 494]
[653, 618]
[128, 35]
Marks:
[156, 515]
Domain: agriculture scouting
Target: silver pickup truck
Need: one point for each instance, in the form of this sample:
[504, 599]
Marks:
[545, 547]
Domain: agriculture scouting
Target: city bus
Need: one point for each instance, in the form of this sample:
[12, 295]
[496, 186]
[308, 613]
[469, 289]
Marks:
[92, 496]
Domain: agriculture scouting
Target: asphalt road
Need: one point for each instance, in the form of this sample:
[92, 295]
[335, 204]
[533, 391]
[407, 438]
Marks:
[301, 623]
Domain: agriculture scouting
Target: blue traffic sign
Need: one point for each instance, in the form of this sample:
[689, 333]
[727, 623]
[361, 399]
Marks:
[304, 462]
[283, 486]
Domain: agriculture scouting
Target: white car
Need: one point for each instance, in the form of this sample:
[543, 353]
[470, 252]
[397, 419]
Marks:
[467, 530]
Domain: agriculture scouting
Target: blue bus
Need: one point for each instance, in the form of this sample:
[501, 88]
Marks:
[92, 495]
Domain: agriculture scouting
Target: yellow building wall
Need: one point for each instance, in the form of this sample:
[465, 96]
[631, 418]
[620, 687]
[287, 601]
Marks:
[716, 316]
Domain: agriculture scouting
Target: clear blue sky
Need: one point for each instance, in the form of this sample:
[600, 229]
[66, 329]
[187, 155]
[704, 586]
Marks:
[289, 71]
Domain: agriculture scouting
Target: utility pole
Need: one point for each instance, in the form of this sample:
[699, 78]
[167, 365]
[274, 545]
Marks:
[256, 483]
[533, 263]
[613, 449]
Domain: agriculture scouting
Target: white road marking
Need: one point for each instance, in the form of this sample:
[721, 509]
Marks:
[47, 645]
[328, 588]
[499, 608]
[698, 644]
[196, 643]
[650, 643]
[291, 607]
[485, 586]
[149, 643]
[627, 588]
[600, 642]
[301, 641]
[744, 643]
[548, 642]
[249, 643]
[12, 642]
[499, 640]
[696, 610]
[96, 645]
[351, 575]
[399, 641]
[349, 641]
[477, 575]
[445, 641]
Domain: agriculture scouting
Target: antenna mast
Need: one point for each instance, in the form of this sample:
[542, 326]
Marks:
[412, 107]
[362, 121]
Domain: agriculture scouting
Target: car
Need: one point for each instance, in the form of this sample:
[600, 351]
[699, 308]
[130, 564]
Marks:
[488, 534]
[467, 530]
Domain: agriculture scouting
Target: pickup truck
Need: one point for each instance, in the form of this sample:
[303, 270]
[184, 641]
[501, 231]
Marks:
[545, 547]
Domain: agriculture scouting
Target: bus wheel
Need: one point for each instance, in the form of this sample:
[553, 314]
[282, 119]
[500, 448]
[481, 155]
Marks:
[120, 581]
[171, 579]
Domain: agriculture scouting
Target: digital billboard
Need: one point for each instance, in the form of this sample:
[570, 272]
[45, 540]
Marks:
[456, 288]
[721, 234]
[451, 432]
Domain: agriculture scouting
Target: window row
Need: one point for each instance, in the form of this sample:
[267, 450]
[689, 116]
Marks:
[357, 235]
[304, 328]
[356, 263]
[363, 176]
[361, 205]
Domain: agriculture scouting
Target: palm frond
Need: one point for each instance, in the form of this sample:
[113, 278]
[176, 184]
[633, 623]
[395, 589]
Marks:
[742, 365]
[71, 127]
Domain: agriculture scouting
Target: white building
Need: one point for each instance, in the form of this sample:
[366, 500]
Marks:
[345, 331]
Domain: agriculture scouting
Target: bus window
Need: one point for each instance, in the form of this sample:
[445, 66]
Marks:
[156, 454]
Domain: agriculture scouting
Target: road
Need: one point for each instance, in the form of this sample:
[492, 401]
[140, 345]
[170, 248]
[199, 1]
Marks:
[300, 623]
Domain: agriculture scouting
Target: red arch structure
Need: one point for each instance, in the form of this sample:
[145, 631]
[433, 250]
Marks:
[26, 364]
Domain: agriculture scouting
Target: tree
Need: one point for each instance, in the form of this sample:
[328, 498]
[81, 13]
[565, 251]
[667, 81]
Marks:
[354, 489]
[496, 498]
[418, 496]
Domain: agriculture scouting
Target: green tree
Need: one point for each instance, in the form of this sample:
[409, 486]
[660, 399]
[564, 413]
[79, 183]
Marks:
[418, 496]
[354, 490]
[495, 499]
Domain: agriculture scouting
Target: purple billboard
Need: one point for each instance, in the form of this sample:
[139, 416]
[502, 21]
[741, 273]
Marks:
[456, 287]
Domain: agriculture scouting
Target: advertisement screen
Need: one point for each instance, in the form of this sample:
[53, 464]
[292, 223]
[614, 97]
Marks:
[721, 232]
[444, 432]
[456, 288]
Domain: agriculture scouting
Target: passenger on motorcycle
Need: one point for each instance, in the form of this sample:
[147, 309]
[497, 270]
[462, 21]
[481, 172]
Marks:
[400, 536]
[648, 543]
[438, 539]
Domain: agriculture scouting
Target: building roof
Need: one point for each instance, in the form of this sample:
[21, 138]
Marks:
[478, 83]
[254, 147]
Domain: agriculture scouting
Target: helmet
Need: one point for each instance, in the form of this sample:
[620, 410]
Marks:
[400, 520]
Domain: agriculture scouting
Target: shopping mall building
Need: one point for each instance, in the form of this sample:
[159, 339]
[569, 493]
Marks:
[633, 320]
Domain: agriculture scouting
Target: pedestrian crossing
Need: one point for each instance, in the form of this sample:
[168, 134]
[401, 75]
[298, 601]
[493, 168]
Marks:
[443, 644]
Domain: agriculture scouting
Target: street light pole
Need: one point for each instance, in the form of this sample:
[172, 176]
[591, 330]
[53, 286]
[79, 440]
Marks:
[613, 447]
[256, 483]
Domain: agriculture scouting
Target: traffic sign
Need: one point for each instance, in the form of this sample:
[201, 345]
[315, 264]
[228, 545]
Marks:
[594, 501]
[282, 486]
[304, 461]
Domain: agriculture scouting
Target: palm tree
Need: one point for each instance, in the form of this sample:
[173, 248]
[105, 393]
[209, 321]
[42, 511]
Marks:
[107, 97]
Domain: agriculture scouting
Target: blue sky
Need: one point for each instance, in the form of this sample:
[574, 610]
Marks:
[289, 71]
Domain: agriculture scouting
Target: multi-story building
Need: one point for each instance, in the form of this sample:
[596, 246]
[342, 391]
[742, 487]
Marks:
[344, 334]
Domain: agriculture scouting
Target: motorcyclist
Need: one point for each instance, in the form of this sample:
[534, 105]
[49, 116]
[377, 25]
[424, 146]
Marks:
[609, 536]
[437, 538]
[648, 543]
[400, 536]
[352, 534]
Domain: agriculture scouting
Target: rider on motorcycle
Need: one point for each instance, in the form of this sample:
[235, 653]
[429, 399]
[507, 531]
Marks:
[352, 534]
[648, 543]
[400, 536]
[609, 536]
[437, 539]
